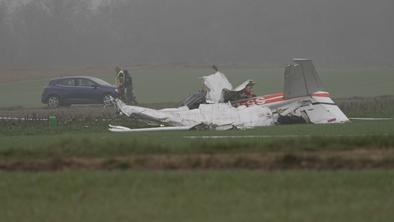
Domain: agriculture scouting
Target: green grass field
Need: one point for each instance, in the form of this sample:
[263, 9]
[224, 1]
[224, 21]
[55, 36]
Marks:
[97, 142]
[197, 196]
[108, 194]
[229, 194]
[155, 84]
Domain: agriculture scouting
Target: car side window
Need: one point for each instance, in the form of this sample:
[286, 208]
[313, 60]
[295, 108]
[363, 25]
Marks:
[66, 82]
[84, 82]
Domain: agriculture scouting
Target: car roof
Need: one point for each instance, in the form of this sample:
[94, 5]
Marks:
[74, 77]
[91, 78]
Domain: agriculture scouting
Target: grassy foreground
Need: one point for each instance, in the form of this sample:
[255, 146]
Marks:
[97, 142]
[197, 196]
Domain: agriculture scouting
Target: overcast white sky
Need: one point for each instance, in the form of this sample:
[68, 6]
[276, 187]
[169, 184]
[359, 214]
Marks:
[332, 32]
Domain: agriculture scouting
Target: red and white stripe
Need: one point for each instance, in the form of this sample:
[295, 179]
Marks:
[272, 98]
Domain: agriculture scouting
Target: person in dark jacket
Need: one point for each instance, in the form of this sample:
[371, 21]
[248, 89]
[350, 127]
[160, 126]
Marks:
[128, 88]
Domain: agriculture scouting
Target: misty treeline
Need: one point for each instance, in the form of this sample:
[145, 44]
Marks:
[42, 33]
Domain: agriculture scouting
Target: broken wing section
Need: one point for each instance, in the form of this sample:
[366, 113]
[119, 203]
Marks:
[122, 129]
[160, 116]
[301, 79]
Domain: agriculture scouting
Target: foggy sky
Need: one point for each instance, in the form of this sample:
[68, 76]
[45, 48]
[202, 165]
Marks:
[45, 33]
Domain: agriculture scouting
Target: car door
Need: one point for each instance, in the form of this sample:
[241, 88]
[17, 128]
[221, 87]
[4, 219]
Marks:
[64, 88]
[86, 91]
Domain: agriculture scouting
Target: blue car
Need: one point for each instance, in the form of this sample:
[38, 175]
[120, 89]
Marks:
[69, 90]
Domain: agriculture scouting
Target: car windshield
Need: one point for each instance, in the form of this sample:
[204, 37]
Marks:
[101, 82]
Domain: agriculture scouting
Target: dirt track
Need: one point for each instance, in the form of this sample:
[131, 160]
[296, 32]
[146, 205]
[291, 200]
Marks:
[316, 160]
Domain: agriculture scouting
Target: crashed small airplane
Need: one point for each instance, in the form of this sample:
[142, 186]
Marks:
[222, 107]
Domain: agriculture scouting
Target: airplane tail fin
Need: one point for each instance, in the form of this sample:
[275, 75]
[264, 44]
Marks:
[301, 79]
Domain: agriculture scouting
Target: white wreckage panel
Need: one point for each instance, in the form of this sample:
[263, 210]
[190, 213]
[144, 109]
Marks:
[122, 129]
[220, 114]
[313, 110]
[218, 83]
[321, 114]
[215, 84]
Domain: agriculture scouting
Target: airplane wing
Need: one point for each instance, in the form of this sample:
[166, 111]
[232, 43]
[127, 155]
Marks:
[181, 116]
[201, 126]
[143, 113]
[122, 129]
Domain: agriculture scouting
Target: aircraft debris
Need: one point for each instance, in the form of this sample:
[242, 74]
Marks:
[216, 116]
[222, 107]
[193, 101]
[221, 90]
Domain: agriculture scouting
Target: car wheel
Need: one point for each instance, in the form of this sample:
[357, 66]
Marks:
[107, 100]
[53, 102]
